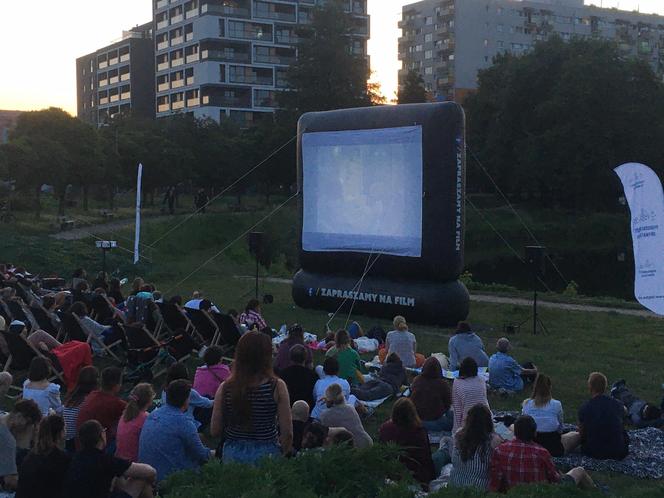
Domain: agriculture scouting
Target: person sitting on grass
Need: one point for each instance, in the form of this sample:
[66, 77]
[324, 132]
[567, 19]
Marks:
[208, 377]
[38, 388]
[331, 371]
[351, 366]
[340, 414]
[432, 397]
[295, 337]
[252, 318]
[104, 405]
[94, 473]
[88, 381]
[405, 429]
[168, 440]
[314, 436]
[17, 430]
[132, 421]
[465, 343]
[6, 380]
[43, 470]
[548, 415]
[468, 390]
[637, 411]
[300, 414]
[523, 461]
[388, 382]
[473, 447]
[403, 342]
[199, 408]
[602, 432]
[299, 379]
[505, 373]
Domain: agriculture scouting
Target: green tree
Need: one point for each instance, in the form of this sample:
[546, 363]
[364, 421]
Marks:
[327, 74]
[412, 90]
[551, 125]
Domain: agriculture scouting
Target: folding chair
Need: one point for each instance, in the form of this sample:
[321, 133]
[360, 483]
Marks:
[21, 353]
[229, 333]
[20, 312]
[5, 313]
[205, 325]
[176, 319]
[77, 331]
[103, 310]
[44, 320]
[145, 351]
[155, 322]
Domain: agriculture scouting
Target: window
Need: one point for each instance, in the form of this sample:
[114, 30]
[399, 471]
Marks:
[418, 48]
[428, 54]
[428, 20]
[500, 28]
[486, 43]
[428, 37]
[428, 70]
[500, 43]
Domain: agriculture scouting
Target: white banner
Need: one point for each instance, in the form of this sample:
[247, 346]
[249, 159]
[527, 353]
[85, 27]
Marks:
[137, 236]
[643, 191]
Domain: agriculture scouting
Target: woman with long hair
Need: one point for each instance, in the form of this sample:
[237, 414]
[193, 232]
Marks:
[88, 381]
[468, 390]
[43, 469]
[473, 447]
[295, 336]
[548, 415]
[405, 429]
[132, 420]
[252, 317]
[252, 412]
[351, 366]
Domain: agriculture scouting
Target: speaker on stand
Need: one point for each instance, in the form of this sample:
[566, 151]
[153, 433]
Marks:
[256, 248]
[535, 259]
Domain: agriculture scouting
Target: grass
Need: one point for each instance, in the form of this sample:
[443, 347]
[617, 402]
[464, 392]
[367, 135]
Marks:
[576, 343]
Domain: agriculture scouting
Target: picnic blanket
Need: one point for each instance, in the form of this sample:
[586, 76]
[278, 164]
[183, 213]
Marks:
[645, 459]
[447, 374]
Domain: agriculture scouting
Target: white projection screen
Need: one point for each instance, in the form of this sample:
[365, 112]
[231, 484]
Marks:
[363, 191]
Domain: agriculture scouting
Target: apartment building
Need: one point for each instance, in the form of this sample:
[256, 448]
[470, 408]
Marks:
[227, 59]
[118, 79]
[449, 41]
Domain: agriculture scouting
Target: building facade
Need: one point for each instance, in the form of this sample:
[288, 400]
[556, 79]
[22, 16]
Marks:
[227, 59]
[449, 41]
[118, 79]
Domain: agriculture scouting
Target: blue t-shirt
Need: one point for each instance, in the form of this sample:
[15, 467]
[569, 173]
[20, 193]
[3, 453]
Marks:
[505, 372]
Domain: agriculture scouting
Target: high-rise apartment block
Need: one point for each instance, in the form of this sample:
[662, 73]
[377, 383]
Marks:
[118, 78]
[449, 41]
[228, 58]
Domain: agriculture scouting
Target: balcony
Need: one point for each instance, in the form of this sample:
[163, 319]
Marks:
[177, 83]
[103, 82]
[103, 100]
[125, 96]
[189, 80]
[163, 108]
[225, 55]
[177, 41]
[102, 65]
[125, 58]
[192, 58]
[161, 4]
[177, 62]
[115, 98]
[177, 105]
[195, 102]
[162, 87]
[162, 24]
[162, 66]
[191, 13]
[228, 10]
[275, 59]
[250, 79]
[162, 45]
[279, 12]
[113, 80]
[226, 101]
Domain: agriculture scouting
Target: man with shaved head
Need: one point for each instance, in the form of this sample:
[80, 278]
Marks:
[504, 371]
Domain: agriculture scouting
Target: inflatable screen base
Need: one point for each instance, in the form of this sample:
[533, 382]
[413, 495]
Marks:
[420, 301]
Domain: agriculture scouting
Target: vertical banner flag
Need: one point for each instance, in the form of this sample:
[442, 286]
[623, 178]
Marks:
[137, 236]
[643, 191]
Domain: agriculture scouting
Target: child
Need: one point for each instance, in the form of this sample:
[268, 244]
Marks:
[38, 388]
[132, 420]
[351, 366]
[208, 377]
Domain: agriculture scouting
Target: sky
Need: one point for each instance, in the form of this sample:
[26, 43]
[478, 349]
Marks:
[41, 39]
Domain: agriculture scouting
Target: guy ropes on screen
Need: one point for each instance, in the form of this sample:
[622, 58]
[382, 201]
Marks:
[382, 211]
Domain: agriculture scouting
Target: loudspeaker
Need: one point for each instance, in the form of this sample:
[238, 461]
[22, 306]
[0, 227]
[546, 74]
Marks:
[256, 241]
[536, 259]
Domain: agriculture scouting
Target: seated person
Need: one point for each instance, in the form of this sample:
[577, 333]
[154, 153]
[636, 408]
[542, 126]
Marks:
[299, 379]
[355, 330]
[199, 409]
[208, 377]
[132, 421]
[468, 390]
[38, 388]
[314, 436]
[340, 436]
[403, 342]
[432, 397]
[341, 414]
[405, 429]
[351, 366]
[473, 447]
[252, 318]
[331, 370]
[169, 441]
[639, 412]
[602, 432]
[390, 378]
[505, 372]
[465, 343]
[201, 304]
[295, 337]
[103, 332]
[300, 415]
[44, 468]
[94, 473]
[6, 380]
[523, 461]
[17, 430]
[104, 405]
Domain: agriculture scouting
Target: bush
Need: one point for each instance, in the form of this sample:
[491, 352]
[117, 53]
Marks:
[334, 473]
[532, 491]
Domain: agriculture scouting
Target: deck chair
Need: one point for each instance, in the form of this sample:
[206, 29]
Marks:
[229, 333]
[44, 320]
[205, 325]
[155, 321]
[145, 352]
[21, 354]
[5, 313]
[20, 312]
[177, 320]
[103, 311]
[77, 331]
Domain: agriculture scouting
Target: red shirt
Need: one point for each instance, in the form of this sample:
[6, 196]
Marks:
[103, 407]
[517, 462]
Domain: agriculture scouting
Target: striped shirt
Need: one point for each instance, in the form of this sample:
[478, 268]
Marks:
[474, 472]
[263, 423]
[251, 318]
[467, 393]
[70, 414]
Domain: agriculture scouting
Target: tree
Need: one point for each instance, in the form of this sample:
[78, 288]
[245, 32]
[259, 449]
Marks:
[551, 125]
[412, 90]
[327, 74]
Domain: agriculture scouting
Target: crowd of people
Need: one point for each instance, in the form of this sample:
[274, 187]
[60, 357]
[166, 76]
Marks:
[274, 401]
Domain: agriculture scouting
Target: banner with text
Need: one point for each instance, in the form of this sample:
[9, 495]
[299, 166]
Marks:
[643, 191]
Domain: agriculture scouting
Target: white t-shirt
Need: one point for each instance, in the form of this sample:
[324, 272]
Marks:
[319, 392]
[549, 418]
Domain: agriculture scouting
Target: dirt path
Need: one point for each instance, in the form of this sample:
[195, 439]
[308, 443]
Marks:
[484, 298]
[93, 230]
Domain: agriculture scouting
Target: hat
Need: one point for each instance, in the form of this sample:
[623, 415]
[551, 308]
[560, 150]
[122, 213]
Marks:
[503, 345]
